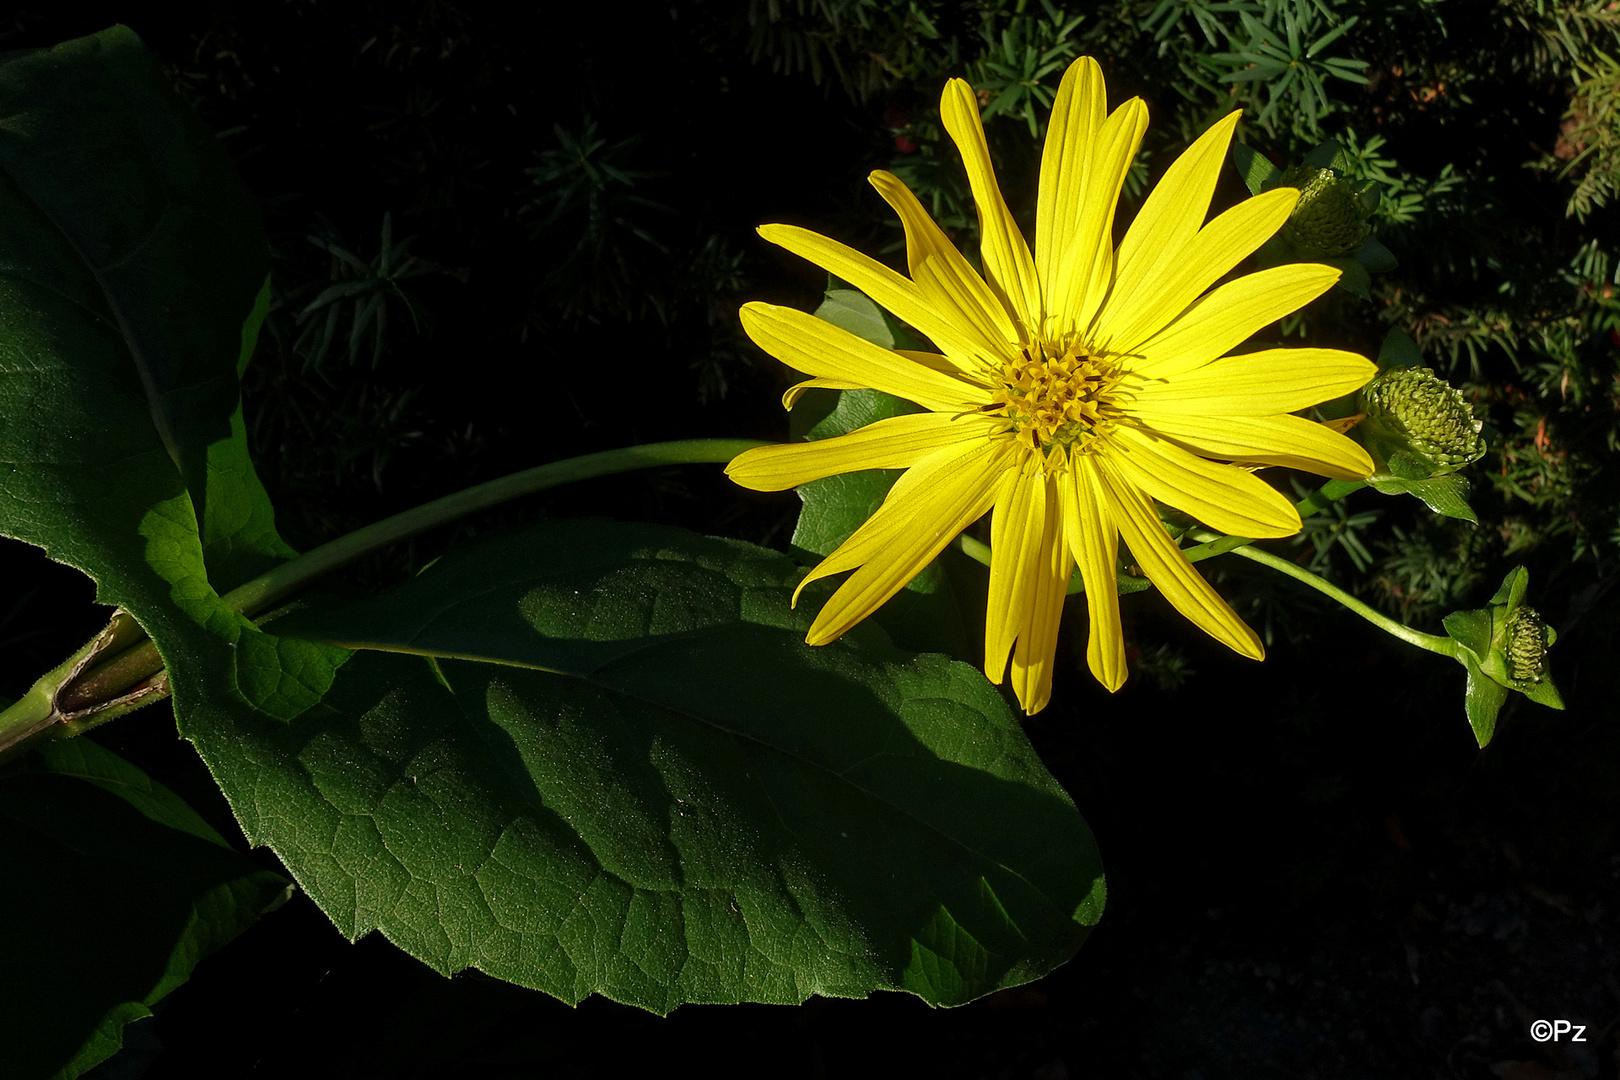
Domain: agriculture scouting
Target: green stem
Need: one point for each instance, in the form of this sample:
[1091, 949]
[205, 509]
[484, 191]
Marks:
[113, 682]
[1433, 643]
[977, 550]
[1318, 500]
[268, 589]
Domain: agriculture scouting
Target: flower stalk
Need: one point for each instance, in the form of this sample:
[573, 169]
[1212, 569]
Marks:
[121, 670]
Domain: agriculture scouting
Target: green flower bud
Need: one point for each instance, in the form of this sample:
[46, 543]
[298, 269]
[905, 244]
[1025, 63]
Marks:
[1503, 647]
[1328, 222]
[1526, 645]
[1413, 410]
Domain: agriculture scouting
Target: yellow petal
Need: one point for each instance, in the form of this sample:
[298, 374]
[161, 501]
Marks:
[791, 396]
[925, 510]
[1017, 525]
[1223, 497]
[1094, 540]
[945, 277]
[1083, 167]
[1228, 315]
[1078, 113]
[1170, 218]
[1290, 441]
[1343, 424]
[1006, 258]
[900, 296]
[816, 347]
[1164, 564]
[1086, 268]
[898, 442]
[1033, 656]
[1136, 311]
[1257, 384]
[932, 361]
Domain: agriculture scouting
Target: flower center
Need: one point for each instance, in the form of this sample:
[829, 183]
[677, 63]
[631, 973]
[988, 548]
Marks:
[1056, 395]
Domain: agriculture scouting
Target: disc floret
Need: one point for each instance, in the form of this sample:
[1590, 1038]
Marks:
[1056, 395]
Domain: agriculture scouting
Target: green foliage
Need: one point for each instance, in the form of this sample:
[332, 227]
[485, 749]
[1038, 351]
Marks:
[1590, 141]
[1274, 60]
[1417, 574]
[1020, 71]
[112, 389]
[610, 764]
[584, 204]
[371, 286]
[564, 780]
[85, 122]
[865, 45]
[1338, 527]
[147, 889]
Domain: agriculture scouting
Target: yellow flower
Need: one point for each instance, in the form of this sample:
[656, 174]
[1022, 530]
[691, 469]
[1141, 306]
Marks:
[1073, 387]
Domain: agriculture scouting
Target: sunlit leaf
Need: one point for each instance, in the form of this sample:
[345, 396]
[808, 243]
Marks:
[596, 758]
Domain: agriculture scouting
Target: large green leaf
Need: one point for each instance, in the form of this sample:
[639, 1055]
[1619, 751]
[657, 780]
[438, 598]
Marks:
[239, 535]
[132, 271]
[114, 890]
[134, 213]
[613, 766]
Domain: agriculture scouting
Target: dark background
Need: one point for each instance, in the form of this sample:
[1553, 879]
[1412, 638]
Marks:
[1313, 871]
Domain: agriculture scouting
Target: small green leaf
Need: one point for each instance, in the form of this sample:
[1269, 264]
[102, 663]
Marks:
[1399, 350]
[115, 889]
[852, 310]
[925, 615]
[1543, 692]
[1354, 278]
[1322, 155]
[1446, 495]
[239, 535]
[836, 506]
[1471, 629]
[1257, 172]
[1369, 196]
[1511, 591]
[1375, 257]
[613, 766]
[1483, 700]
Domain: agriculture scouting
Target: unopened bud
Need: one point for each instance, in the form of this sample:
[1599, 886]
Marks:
[1430, 415]
[1526, 644]
[1504, 648]
[1328, 221]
